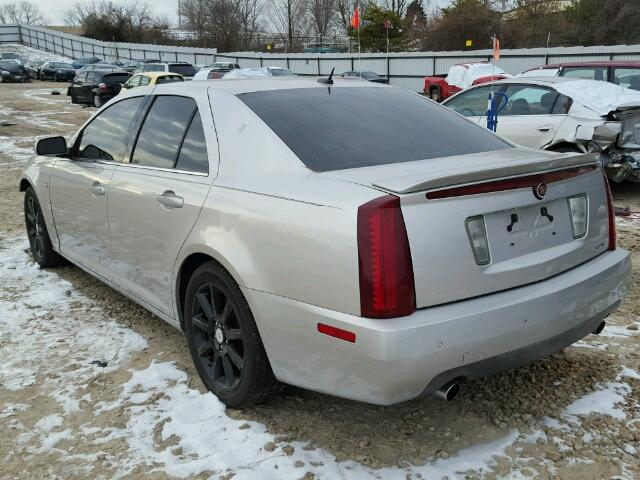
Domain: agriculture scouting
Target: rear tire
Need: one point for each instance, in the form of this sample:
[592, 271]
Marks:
[39, 240]
[224, 341]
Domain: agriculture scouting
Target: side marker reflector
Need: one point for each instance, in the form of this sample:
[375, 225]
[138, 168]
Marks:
[337, 333]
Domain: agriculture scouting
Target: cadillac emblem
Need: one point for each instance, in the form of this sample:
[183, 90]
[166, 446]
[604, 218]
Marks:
[540, 190]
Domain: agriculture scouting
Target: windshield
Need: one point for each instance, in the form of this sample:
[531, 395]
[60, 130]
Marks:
[281, 72]
[339, 128]
[9, 64]
[185, 70]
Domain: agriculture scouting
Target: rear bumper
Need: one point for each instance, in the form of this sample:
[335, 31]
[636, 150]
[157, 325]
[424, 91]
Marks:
[399, 359]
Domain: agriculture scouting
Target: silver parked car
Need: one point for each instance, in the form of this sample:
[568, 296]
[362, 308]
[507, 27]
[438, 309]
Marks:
[353, 239]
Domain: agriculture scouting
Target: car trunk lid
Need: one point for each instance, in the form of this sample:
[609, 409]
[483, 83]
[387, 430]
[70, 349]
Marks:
[520, 197]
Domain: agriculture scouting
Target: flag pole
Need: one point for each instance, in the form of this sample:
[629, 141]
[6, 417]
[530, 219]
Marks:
[359, 49]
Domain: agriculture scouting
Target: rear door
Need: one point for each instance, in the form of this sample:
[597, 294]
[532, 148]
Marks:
[532, 115]
[79, 186]
[84, 88]
[156, 197]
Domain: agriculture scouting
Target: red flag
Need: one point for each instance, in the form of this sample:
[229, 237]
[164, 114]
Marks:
[496, 49]
[355, 18]
[387, 24]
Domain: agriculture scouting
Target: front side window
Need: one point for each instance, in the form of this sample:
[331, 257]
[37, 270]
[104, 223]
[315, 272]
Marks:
[163, 131]
[339, 128]
[144, 81]
[627, 77]
[134, 81]
[472, 103]
[529, 100]
[91, 77]
[105, 137]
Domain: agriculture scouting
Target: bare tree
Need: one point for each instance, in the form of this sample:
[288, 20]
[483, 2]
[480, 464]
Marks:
[23, 13]
[322, 14]
[289, 17]
[397, 6]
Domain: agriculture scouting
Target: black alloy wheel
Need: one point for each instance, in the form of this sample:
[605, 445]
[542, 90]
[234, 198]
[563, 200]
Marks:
[218, 335]
[224, 341]
[39, 241]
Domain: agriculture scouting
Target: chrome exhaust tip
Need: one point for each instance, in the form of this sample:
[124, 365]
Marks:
[599, 328]
[448, 391]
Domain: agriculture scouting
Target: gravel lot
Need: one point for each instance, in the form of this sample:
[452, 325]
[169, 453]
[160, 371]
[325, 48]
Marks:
[93, 386]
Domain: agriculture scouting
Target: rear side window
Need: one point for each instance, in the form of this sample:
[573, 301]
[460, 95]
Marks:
[529, 100]
[589, 73]
[91, 77]
[104, 138]
[338, 128]
[144, 81]
[193, 153]
[163, 131]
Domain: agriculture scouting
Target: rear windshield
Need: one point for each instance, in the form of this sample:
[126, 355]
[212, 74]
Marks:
[115, 78]
[169, 79]
[185, 70]
[339, 128]
[9, 64]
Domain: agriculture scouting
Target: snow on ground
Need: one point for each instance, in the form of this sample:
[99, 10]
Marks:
[35, 316]
[32, 54]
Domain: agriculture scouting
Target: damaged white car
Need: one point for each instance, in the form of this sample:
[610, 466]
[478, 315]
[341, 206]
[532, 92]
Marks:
[564, 115]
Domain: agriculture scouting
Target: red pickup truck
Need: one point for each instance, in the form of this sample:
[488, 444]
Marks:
[460, 77]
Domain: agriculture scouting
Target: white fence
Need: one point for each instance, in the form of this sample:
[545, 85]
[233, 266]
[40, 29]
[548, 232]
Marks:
[403, 69]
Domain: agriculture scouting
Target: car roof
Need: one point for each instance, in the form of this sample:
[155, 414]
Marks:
[158, 74]
[251, 85]
[603, 63]
[536, 80]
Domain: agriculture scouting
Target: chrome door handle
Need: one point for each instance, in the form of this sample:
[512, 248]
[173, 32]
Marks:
[545, 128]
[97, 189]
[169, 200]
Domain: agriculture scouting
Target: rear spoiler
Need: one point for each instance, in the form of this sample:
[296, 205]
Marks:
[469, 175]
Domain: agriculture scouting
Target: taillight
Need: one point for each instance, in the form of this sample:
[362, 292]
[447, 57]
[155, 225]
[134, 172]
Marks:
[612, 215]
[387, 287]
[103, 87]
[210, 76]
[579, 210]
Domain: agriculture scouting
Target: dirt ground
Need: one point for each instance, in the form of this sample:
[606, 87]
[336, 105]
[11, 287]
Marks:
[575, 415]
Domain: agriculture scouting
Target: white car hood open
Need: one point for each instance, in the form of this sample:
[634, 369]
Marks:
[601, 97]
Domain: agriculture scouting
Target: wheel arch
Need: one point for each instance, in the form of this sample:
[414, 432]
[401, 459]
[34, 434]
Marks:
[24, 184]
[188, 265]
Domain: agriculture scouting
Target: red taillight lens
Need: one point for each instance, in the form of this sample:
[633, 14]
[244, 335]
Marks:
[612, 214]
[387, 287]
[103, 87]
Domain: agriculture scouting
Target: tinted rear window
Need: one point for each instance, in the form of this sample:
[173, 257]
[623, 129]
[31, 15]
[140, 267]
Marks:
[115, 78]
[185, 70]
[338, 128]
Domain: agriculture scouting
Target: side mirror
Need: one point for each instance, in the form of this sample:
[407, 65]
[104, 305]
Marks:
[51, 146]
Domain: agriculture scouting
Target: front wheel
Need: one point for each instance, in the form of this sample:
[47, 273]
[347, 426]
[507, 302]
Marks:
[39, 241]
[224, 341]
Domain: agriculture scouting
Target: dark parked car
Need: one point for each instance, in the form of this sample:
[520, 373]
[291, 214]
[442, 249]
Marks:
[11, 56]
[96, 87]
[12, 71]
[626, 74]
[81, 62]
[57, 71]
[365, 75]
[33, 68]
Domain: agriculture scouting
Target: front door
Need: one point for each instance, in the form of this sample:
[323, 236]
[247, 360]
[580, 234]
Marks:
[532, 115]
[156, 198]
[79, 186]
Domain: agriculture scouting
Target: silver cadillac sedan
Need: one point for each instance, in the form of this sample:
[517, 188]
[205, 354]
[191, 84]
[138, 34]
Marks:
[348, 238]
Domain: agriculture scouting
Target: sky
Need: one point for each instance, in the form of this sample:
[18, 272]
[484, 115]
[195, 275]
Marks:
[54, 10]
